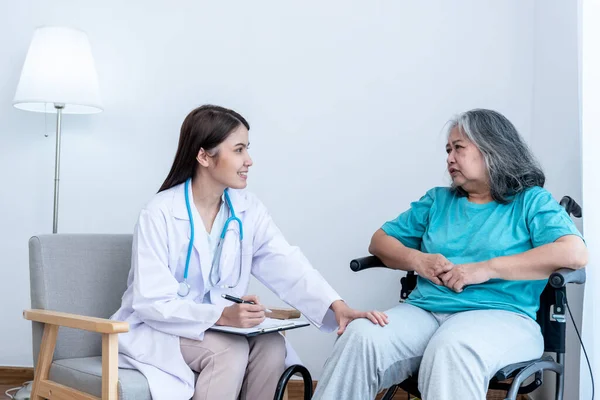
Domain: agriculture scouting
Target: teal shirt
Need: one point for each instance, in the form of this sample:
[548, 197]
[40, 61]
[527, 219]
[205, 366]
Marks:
[463, 232]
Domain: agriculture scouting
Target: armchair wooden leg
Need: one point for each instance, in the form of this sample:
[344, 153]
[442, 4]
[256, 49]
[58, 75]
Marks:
[110, 366]
[44, 359]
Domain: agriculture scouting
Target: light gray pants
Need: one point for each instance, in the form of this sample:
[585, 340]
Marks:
[456, 354]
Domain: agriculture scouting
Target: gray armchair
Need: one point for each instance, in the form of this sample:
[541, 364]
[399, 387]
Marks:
[76, 284]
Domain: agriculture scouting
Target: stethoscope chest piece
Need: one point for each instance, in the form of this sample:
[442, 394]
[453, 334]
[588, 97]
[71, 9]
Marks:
[184, 288]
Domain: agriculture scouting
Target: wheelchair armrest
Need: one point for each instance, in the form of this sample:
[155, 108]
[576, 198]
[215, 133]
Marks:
[359, 264]
[563, 276]
[571, 206]
[511, 370]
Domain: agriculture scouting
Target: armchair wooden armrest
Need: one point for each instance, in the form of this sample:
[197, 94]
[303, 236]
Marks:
[43, 388]
[92, 324]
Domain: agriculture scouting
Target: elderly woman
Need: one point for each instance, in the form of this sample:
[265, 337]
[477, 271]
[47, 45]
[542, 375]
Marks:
[483, 250]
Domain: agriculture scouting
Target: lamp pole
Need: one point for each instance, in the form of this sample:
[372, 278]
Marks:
[59, 107]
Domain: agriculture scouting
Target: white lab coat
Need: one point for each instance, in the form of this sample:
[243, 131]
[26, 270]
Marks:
[158, 317]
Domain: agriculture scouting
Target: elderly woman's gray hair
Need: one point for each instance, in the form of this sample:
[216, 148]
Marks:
[511, 165]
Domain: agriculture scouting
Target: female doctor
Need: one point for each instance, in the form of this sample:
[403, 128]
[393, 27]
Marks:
[200, 237]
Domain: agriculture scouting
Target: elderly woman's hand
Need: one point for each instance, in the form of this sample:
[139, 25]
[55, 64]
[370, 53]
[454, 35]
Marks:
[432, 266]
[466, 274]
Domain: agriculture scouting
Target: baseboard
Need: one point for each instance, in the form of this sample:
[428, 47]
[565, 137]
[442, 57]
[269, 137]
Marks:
[296, 392]
[15, 375]
[18, 375]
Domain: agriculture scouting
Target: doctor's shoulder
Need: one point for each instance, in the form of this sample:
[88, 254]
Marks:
[161, 204]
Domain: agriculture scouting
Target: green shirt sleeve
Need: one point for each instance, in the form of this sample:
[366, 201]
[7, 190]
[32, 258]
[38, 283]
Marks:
[409, 227]
[547, 219]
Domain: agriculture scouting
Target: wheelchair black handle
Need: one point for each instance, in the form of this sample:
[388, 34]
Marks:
[287, 374]
[563, 276]
[571, 206]
[358, 264]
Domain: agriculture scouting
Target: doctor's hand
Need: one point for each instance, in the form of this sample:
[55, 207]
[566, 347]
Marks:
[466, 274]
[344, 315]
[243, 315]
[431, 266]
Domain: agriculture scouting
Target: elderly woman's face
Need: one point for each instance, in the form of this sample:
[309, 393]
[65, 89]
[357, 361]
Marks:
[465, 163]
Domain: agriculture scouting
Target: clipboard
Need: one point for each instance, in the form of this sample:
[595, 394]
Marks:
[269, 325]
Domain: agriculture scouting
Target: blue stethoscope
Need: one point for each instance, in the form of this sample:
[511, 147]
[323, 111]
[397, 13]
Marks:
[184, 286]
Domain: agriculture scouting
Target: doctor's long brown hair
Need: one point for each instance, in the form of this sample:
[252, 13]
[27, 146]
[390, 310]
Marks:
[205, 127]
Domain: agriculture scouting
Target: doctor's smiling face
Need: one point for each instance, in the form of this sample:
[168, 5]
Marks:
[212, 149]
[229, 162]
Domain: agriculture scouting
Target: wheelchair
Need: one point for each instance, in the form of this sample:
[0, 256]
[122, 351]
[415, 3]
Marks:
[550, 317]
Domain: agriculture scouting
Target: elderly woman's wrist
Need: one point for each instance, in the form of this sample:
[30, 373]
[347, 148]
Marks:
[416, 259]
[491, 266]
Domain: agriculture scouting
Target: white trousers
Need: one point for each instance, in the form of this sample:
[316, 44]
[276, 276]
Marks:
[456, 354]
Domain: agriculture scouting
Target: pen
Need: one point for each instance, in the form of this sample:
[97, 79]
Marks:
[277, 328]
[240, 301]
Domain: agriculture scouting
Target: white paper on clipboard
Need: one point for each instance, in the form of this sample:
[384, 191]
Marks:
[269, 325]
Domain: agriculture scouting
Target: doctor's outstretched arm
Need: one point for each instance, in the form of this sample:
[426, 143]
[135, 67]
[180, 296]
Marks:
[286, 271]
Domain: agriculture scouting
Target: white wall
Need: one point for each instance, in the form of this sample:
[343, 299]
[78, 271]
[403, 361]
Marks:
[556, 139]
[589, 57]
[346, 102]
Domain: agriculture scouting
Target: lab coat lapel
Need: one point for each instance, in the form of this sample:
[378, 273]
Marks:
[239, 201]
[201, 245]
[179, 209]
[229, 262]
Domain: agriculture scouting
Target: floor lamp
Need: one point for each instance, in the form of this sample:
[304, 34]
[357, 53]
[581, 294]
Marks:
[59, 77]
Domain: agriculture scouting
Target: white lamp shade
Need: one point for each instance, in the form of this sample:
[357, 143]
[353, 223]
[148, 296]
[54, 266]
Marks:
[59, 69]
